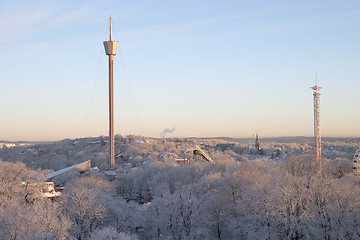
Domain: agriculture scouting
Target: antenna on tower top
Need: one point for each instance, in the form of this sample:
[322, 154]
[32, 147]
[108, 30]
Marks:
[316, 79]
[110, 30]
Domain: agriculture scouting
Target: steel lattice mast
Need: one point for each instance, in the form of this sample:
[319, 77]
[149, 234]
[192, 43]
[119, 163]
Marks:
[257, 143]
[356, 163]
[317, 134]
[110, 50]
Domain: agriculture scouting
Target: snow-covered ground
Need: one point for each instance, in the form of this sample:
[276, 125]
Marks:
[276, 192]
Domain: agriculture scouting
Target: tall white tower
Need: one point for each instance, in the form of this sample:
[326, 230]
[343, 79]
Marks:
[317, 134]
[110, 50]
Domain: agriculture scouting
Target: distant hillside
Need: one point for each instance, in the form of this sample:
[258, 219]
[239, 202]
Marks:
[297, 139]
[292, 139]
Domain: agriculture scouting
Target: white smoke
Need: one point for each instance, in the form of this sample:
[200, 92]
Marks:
[166, 130]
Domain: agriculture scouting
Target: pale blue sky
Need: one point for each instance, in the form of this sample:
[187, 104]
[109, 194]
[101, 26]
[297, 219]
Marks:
[207, 68]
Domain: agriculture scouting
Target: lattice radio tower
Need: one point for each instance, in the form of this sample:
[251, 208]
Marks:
[110, 50]
[356, 163]
[257, 143]
[317, 134]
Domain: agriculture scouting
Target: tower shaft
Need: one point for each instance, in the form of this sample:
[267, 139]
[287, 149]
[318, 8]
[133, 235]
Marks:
[111, 112]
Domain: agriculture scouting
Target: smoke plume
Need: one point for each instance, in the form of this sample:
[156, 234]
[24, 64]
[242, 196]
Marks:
[166, 130]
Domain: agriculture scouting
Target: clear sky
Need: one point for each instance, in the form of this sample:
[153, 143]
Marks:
[208, 68]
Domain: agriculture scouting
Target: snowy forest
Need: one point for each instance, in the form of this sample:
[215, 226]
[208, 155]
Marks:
[276, 192]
